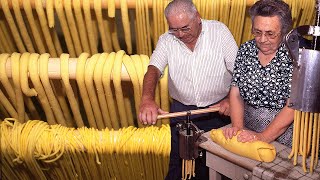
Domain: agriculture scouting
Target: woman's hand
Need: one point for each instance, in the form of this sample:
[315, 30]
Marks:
[249, 136]
[230, 132]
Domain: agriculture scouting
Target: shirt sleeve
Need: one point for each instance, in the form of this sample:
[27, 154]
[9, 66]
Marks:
[159, 57]
[237, 68]
[229, 48]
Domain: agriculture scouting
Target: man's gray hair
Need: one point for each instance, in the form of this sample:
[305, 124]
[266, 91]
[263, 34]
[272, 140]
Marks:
[176, 7]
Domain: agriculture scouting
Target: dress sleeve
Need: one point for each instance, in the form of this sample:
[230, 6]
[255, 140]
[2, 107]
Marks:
[238, 67]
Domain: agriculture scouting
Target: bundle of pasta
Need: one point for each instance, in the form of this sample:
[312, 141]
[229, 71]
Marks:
[257, 150]
[37, 150]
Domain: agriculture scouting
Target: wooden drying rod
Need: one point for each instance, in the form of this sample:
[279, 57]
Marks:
[54, 69]
[185, 113]
[104, 3]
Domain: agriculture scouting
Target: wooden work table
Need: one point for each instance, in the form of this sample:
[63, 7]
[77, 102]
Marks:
[221, 161]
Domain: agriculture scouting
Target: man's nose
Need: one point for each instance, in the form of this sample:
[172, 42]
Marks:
[179, 33]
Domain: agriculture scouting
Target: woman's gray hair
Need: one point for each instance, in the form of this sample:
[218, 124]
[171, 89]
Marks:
[176, 7]
[269, 8]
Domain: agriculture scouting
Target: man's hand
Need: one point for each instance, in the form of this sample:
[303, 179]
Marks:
[149, 111]
[224, 106]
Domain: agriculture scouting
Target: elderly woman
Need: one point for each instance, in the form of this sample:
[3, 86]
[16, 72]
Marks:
[261, 78]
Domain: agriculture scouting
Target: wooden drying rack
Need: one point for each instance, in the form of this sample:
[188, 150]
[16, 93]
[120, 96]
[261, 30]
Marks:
[54, 69]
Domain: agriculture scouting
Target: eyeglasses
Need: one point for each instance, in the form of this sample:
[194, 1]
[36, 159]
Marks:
[176, 30]
[267, 34]
[184, 29]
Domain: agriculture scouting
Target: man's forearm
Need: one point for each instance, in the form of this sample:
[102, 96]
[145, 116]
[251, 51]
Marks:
[150, 83]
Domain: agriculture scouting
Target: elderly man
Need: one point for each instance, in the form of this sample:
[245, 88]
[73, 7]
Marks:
[200, 55]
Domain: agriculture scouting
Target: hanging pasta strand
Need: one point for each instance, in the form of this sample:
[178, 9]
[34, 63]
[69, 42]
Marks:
[106, 81]
[81, 26]
[148, 31]
[83, 90]
[64, 26]
[24, 83]
[4, 79]
[4, 43]
[22, 27]
[317, 142]
[45, 29]
[302, 129]
[34, 27]
[50, 13]
[72, 25]
[304, 142]
[54, 104]
[129, 64]
[306, 125]
[114, 35]
[104, 30]
[111, 8]
[97, 76]
[118, 89]
[6, 37]
[15, 59]
[89, 26]
[126, 25]
[5, 103]
[89, 69]
[12, 26]
[164, 95]
[34, 76]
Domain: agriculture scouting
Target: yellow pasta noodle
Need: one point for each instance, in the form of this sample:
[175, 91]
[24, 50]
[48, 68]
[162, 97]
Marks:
[111, 8]
[8, 106]
[81, 27]
[83, 90]
[54, 104]
[34, 27]
[12, 26]
[106, 81]
[118, 89]
[129, 64]
[89, 26]
[24, 76]
[33, 71]
[97, 76]
[126, 25]
[72, 26]
[22, 27]
[15, 59]
[91, 90]
[64, 26]
[50, 13]
[103, 29]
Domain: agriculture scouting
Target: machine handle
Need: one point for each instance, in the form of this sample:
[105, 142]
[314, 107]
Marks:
[184, 113]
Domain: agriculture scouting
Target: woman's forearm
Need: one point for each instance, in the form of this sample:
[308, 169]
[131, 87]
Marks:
[236, 108]
[279, 125]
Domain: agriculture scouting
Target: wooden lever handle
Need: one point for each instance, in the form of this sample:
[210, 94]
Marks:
[184, 113]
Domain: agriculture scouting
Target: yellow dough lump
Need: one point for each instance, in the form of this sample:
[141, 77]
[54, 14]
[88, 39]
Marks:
[257, 150]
